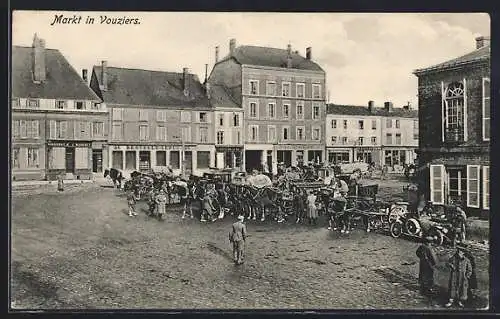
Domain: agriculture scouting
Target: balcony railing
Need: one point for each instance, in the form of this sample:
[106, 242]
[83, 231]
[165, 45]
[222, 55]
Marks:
[454, 135]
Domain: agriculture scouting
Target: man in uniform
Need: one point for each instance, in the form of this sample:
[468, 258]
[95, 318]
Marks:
[237, 237]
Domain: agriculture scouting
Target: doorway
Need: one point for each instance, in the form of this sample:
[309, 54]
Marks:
[144, 161]
[70, 159]
[97, 161]
[253, 160]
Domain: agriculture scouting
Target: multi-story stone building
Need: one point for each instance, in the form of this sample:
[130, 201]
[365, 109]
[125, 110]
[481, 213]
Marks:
[58, 122]
[283, 98]
[228, 128]
[454, 143]
[384, 136]
[157, 119]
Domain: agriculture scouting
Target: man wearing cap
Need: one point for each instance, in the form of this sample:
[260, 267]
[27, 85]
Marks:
[237, 237]
[461, 271]
[428, 263]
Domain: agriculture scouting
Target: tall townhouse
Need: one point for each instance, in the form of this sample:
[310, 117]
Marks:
[157, 119]
[283, 98]
[228, 128]
[454, 143]
[58, 122]
[365, 133]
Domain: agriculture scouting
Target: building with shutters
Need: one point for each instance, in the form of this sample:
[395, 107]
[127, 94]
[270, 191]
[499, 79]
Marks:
[282, 95]
[58, 122]
[454, 141]
[157, 119]
[381, 135]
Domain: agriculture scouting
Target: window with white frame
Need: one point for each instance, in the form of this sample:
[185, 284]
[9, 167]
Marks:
[486, 109]
[236, 120]
[285, 89]
[300, 132]
[316, 133]
[33, 103]
[62, 129]
[203, 134]
[271, 110]
[26, 129]
[374, 124]
[345, 140]
[253, 109]
[334, 123]
[96, 105]
[220, 137]
[254, 87]
[286, 110]
[143, 133]
[186, 134]
[161, 133]
[334, 140]
[185, 117]
[345, 124]
[398, 139]
[388, 138]
[486, 187]
[361, 141]
[161, 116]
[285, 133]
[397, 124]
[117, 131]
[254, 132]
[374, 140]
[33, 157]
[316, 91]
[203, 117]
[300, 110]
[271, 133]
[271, 88]
[117, 114]
[388, 123]
[473, 184]
[15, 129]
[301, 89]
[315, 110]
[454, 104]
[60, 104]
[98, 129]
[361, 124]
[437, 173]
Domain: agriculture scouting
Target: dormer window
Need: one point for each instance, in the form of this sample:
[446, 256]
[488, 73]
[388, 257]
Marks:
[60, 105]
[33, 103]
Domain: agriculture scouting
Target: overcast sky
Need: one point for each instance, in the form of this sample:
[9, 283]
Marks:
[367, 56]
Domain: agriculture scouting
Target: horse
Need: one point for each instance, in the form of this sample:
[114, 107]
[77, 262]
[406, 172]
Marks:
[115, 175]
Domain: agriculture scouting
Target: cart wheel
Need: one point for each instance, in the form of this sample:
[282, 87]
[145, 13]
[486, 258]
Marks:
[396, 229]
[394, 213]
[437, 236]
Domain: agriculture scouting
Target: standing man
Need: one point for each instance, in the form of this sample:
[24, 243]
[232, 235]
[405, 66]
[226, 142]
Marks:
[237, 237]
[428, 262]
[131, 203]
[461, 271]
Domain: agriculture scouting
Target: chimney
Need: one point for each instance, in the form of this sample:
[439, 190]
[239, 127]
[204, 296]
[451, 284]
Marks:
[289, 56]
[371, 105]
[185, 73]
[389, 107]
[216, 54]
[407, 107]
[104, 75]
[84, 76]
[232, 46]
[309, 53]
[482, 42]
[39, 70]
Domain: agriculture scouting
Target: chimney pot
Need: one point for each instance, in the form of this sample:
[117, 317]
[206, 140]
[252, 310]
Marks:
[389, 107]
[289, 49]
[39, 70]
[482, 42]
[216, 54]
[309, 53]
[84, 75]
[371, 105]
[232, 46]
[104, 75]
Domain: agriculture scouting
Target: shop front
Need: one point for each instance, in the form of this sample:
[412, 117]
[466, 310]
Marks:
[395, 158]
[339, 155]
[368, 155]
[70, 158]
[228, 157]
[297, 155]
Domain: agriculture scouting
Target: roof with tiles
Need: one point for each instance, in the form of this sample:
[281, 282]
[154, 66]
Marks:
[150, 88]
[271, 57]
[358, 110]
[481, 54]
[220, 96]
[62, 80]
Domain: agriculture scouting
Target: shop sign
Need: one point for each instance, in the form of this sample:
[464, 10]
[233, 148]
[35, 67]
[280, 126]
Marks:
[69, 144]
[151, 147]
[228, 149]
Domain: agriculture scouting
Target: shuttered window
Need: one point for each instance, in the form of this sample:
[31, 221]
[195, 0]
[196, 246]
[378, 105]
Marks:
[437, 184]
[15, 129]
[81, 158]
[486, 187]
[473, 172]
[52, 129]
[23, 129]
[57, 157]
[15, 158]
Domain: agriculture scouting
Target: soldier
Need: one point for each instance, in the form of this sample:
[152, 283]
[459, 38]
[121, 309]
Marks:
[237, 237]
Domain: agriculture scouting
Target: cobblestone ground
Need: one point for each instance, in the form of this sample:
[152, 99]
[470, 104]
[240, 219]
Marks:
[79, 249]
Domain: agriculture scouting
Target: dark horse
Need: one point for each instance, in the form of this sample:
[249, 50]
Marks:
[115, 175]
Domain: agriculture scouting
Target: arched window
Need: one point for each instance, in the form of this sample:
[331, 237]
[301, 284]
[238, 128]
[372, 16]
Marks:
[455, 112]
